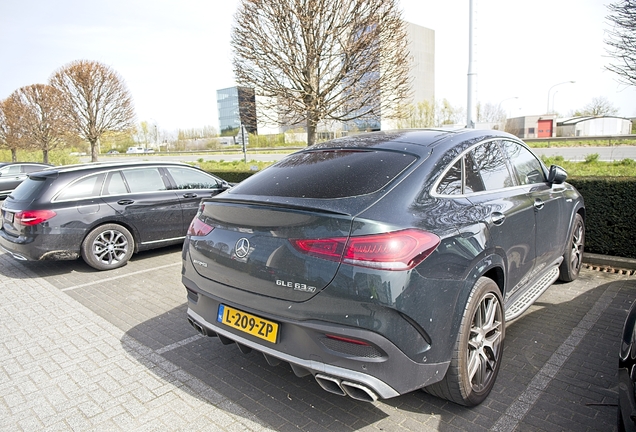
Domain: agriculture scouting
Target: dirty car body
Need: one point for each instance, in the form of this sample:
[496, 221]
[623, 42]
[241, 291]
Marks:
[385, 262]
[103, 212]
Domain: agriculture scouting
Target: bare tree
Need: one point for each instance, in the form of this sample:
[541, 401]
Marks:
[599, 106]
[42, 123]
[319, 60]
[10, 127]
[490, 113]
[622, 40]
[95, 100]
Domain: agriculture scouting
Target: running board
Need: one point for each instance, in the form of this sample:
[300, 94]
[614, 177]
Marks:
[532, 294]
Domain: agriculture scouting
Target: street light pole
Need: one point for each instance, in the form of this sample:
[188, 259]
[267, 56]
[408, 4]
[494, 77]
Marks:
[564, 82]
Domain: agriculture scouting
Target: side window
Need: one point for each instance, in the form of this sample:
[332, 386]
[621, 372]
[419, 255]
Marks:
[474, 183]
[32, 168]
[187, 178]
[84, 188]
[11, 170]
[144, 180]
[527, 166]
[114, 184]
[451, 183]
[492, 166]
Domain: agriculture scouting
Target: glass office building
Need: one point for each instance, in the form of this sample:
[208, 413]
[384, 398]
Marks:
[237, 106]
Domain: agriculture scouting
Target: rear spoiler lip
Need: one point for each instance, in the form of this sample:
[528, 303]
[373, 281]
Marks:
[275, 204]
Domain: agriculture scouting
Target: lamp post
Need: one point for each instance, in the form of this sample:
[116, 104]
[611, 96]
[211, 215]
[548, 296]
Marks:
[558, 84]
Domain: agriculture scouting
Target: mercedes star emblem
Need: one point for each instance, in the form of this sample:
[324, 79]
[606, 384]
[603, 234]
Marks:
[242, 247]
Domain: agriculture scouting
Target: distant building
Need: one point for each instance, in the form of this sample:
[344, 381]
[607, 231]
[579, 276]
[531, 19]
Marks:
[236, 106]
[539, 126]
[593, 126]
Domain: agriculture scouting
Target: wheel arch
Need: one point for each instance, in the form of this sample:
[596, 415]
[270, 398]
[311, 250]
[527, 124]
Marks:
[130, 228]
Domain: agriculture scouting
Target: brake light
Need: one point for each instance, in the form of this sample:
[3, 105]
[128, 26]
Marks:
[199, 228]
[399, 250]
[33, 217]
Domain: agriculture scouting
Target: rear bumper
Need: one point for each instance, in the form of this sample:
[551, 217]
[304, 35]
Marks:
[379, 370]
[41, 247]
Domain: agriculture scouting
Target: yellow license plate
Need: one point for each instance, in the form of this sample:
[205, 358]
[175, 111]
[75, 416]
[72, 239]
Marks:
[248, 323]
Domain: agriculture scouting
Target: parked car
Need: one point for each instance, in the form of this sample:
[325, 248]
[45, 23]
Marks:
[14, 173]
[134, 150]
[386, 262]
[112, 152]
[103, 212]
[627, 374]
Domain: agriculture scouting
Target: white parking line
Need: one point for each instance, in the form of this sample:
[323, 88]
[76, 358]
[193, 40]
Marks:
[119, 277]
[178, 344]
[518, 410]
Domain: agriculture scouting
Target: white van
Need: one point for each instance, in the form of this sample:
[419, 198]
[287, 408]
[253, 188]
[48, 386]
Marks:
[135, 150]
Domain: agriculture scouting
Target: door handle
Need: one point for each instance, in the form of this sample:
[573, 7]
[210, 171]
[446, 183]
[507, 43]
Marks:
[497, 218]
[189, 195]
[538, 204]
[125, 202]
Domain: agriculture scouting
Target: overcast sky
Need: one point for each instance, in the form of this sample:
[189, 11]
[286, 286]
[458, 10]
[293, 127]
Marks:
[174, 55]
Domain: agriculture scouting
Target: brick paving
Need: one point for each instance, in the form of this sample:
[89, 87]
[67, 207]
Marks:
[109, 351]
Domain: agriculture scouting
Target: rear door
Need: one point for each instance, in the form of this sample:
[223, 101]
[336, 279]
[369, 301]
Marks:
[507, 211]
[142, 198]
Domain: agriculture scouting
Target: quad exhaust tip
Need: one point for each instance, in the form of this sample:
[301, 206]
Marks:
[346, 388]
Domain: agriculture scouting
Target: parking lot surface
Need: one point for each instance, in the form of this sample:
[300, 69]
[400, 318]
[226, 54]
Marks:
[87, 350]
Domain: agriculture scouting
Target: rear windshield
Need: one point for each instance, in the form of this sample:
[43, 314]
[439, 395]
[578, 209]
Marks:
[327, 174]
[29, 189]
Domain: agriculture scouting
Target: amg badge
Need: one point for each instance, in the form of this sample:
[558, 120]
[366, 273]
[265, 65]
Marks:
[296, 286]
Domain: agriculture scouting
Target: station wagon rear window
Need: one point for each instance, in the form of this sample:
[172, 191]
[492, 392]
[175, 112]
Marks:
[327, 174]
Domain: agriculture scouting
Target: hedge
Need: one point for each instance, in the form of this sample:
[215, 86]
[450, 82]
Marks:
[610, 203]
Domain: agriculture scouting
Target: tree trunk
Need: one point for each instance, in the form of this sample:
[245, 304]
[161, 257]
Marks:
[45, 156]
[94, 148]
[14, 155]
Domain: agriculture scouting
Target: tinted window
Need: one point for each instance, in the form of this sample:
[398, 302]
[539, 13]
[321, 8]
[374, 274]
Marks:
[474, 182]
[451, 183]
[327, 174]
[114, 184]
[527, 166]
[492, 166]
[33, 168]
[144, 180]
[29, 189]
[187, 178]
[11, 169]
[83, 188]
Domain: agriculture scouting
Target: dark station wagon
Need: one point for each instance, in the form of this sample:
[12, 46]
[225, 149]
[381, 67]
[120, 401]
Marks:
[386, 262]
[103, 212]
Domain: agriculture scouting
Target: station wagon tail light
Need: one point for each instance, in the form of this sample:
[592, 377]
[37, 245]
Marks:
[399, 250]
[33, 217]
[199, 228]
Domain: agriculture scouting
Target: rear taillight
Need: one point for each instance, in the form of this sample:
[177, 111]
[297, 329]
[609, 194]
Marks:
[199, 228]
[399, 250]
[33, 217]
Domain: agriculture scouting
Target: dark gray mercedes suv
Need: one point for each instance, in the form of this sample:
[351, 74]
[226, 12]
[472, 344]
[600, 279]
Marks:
[386, 262]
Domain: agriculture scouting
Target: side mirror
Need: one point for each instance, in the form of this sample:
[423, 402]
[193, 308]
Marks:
[557, 175]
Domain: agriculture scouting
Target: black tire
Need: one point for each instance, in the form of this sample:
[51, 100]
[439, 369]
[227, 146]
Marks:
[573, 256]
[108, 247]
[478, 348]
